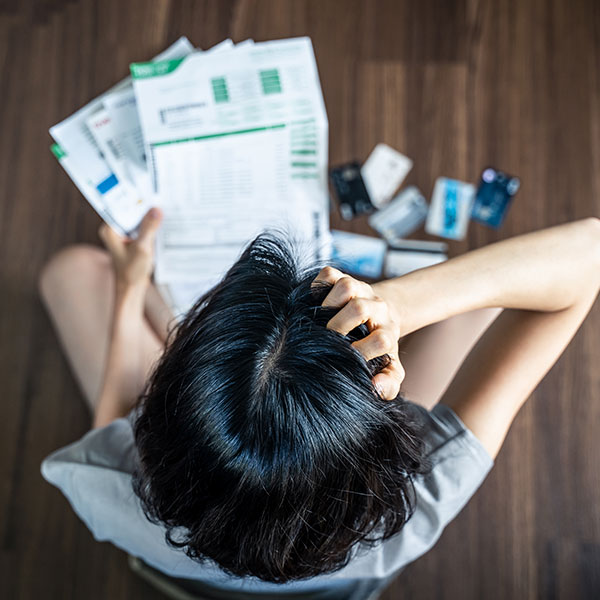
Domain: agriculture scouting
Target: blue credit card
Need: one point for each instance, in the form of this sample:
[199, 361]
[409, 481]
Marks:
[450, 207]
[358, 254]
[494, 194]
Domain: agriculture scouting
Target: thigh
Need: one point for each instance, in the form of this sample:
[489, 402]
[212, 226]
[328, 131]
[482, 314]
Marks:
[431, 356]
[77, 287]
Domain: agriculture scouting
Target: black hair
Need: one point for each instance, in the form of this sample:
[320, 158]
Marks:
[262, 443]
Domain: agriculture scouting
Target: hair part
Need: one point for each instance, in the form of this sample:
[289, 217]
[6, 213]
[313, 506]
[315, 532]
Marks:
[263, 444]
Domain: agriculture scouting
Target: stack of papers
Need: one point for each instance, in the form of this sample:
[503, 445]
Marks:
[227, 142]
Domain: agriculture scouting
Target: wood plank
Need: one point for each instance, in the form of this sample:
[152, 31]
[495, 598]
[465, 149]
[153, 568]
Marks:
[456, 86]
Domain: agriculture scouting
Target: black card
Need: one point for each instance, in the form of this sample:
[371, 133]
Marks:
[350, 190]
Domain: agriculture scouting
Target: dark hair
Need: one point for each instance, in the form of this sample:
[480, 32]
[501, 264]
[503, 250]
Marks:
[263, 444]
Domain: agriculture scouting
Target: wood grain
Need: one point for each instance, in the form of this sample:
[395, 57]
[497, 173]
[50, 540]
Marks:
[455, 85]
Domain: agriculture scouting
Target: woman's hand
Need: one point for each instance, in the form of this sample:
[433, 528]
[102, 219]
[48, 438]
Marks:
[359, 305]
[133, 260]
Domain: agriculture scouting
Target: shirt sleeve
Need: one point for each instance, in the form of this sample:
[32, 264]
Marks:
[459, 464]
[100, 457]
[94, 474]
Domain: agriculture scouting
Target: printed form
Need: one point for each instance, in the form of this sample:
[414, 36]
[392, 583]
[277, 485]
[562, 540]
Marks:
[117, 201]
[235, 142]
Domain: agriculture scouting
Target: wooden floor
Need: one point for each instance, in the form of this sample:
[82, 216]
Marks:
[454, 85]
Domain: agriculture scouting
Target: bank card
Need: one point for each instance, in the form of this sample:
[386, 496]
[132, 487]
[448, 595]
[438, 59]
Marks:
[450, 208]
[350, 189]
[401, 262]
[403, 215]
[410, 255]
[383, 172]
[358, 254]
[494, 194]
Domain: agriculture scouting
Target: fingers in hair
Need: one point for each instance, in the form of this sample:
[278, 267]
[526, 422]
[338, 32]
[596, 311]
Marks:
[345, 289]
[357, 311]
[379, 342]
[388, 381]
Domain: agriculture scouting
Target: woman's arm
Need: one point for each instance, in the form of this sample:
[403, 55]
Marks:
[545, 270]
[508, 362]
[133, 262]
[547, 281]
[123, 364]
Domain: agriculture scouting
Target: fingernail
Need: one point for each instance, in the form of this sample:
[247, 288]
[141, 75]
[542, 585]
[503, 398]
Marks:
[154, 213]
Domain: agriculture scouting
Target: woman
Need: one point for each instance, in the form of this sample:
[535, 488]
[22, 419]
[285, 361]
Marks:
[271, 450]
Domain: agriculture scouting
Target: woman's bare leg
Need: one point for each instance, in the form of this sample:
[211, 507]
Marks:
[431, 356]
[77, 287]
[158, 314]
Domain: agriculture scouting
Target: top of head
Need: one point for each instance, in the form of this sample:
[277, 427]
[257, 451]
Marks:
[261, 434]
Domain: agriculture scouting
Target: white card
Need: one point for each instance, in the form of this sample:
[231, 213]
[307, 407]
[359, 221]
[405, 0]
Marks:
[383, 172]
[450, 208]
[401, 262]
[403, 215]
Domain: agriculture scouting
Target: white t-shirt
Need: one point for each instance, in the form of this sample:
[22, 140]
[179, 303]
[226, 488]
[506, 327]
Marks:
[94, 473]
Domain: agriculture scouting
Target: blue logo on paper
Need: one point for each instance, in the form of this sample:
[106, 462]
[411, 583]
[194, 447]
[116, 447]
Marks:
[108, 184]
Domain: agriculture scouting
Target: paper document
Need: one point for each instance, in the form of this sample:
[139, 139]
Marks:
[88, 164]
[235, 142]
[229, 142]
[127, 130]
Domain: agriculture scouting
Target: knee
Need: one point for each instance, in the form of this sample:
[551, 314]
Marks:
[69, 263]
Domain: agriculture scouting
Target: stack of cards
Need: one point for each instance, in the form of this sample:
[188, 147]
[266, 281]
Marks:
[366, 256]
[361, 190]
[409, 255]
[453, 204]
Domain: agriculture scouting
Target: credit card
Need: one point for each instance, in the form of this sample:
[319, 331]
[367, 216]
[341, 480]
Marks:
[450, 209]
[350, 190]
[420, 246]
[358, 254]
[403, 215]
[383, 172]
[401, 262]
[496, 190]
